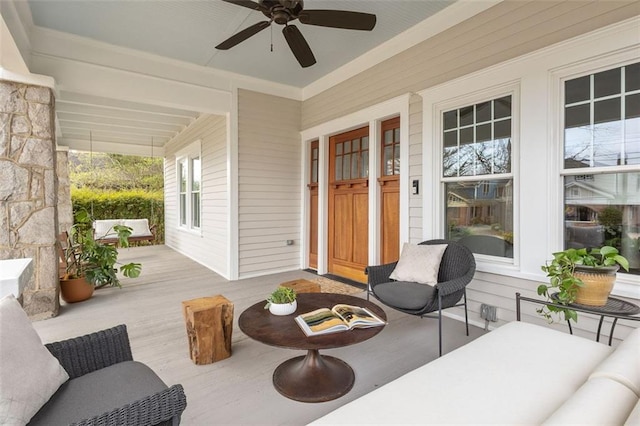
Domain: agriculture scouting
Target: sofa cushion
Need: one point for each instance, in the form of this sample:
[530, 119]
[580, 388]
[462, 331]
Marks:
[103, 228]
[29, 374]
[623, 365]
[599, 401]
[404, 295]
[139, 227]
[99, 392]
[508, 376]
[419, 263]
[634, 417]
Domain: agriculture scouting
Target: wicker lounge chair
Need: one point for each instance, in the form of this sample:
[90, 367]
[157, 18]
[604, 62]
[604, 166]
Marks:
[106, 387]
[457, 268]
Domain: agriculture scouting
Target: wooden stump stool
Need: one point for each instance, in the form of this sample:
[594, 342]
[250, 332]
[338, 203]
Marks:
[209, 322]
[302, 286]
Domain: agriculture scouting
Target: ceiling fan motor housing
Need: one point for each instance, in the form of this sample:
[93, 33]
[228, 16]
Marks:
[282, 11]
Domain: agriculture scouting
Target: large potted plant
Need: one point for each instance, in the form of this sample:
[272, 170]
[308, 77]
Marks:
[580, 276]
[91, 263]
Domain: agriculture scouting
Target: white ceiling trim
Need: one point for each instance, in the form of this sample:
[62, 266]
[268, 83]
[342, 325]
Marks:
[441, 21]
[54, 43]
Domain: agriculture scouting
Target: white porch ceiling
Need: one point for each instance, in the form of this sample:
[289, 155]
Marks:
[189, 30]
[83, 44]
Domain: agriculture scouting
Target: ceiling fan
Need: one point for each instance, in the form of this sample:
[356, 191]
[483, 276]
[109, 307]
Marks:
[282, 12]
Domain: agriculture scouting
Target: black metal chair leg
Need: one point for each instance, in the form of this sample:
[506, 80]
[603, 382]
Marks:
[439, 324]
[466, 315]
[613, 327]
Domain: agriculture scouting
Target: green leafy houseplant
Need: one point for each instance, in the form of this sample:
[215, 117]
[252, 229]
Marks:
[87, 257]
[563, 281]
[282, 295]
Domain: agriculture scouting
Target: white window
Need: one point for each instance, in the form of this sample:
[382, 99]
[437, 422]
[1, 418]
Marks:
[601, 124]
[189, 177]
[478, 177]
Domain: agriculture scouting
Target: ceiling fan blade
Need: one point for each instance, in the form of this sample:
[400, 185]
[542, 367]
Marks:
[299, 46]
[243, 35]
[338, 19]
[247, 3]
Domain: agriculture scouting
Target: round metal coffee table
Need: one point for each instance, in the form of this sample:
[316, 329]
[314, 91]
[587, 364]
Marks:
[314, 377]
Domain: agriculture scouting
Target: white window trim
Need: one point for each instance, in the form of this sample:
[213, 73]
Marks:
[187, 154]
[434, 218]
[626, 284]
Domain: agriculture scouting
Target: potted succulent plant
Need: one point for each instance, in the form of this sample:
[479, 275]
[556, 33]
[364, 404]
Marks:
[580, 276]
[282, 301]
[90, 263]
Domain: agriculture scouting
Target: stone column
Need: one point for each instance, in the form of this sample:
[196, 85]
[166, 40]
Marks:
[28, 190]
[65, 208]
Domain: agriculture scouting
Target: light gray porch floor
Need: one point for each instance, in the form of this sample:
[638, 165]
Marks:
[237, 390]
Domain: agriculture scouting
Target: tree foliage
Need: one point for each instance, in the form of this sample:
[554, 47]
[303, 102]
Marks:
[102, 171]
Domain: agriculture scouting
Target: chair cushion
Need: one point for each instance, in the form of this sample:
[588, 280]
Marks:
[405, 295]
[29, 374]
[419, 263]
[98, 392]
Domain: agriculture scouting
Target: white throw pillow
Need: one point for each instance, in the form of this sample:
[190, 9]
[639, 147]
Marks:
[29, 374]
[419, 263]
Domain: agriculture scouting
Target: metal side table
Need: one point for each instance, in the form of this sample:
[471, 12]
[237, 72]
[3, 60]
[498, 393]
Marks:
[615, 308]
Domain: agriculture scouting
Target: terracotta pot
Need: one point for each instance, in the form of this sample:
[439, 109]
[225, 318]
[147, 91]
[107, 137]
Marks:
[598, 283]
[75, 290]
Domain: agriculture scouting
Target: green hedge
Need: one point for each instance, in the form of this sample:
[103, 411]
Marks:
[129, 204]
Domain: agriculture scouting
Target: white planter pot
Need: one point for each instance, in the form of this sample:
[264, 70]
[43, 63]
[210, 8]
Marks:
[283, 308]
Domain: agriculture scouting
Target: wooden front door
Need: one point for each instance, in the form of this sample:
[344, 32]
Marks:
[313, 205]
[389, 182]
[349, 204]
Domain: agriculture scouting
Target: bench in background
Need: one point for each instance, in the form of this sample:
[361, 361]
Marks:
[103, 230]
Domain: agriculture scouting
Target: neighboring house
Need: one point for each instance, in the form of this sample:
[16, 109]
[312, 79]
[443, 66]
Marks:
[486, 104]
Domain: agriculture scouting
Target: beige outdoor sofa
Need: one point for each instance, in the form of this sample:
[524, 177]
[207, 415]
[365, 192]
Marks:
[517, 374]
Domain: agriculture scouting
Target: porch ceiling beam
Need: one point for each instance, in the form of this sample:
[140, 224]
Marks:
[112, 147]
[109, 83]
[69, 117]
[62, 106]
[114, 129]
[124, 106]
[78, 49]
[112, 138]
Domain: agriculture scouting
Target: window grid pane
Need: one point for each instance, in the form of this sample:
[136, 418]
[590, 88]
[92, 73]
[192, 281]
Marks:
[352, 159]
[391, 148]
[598, 130]
[476, 146]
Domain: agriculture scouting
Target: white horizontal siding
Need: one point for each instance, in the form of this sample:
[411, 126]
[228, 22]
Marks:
[210, 246]
[505, 31]
[269, 176]
[415, 169]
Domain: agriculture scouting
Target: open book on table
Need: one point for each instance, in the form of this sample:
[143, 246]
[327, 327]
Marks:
[339, 318]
